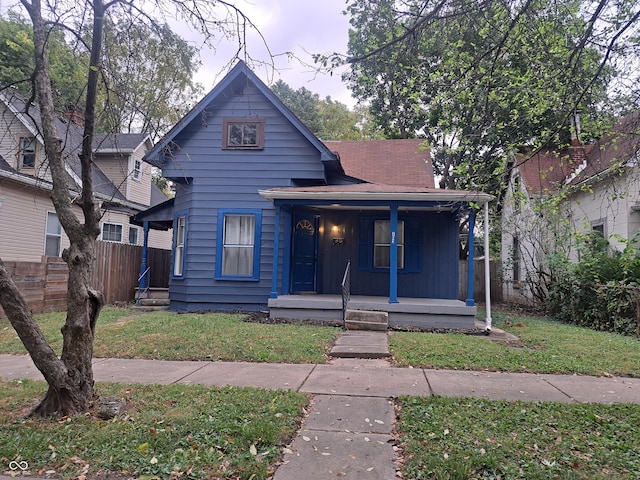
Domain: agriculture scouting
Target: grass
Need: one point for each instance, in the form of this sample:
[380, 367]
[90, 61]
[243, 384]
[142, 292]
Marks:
[172, 431]
[547, 347]
[449, 439]
[162, 335]
[202, 432]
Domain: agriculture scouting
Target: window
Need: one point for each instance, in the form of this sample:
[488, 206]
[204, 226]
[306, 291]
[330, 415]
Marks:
[111, 232]
[381, 245]
[243, 134]
[137, 169]
[133, 235]
[516, 261]
[599, 227]
[53, 236]
[178, 255]
[27, 152]
[238, 254]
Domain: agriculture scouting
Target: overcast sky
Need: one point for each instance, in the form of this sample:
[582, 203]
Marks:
[298, 26]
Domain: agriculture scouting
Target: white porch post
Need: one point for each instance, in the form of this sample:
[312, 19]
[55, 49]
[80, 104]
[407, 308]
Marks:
[487, 266]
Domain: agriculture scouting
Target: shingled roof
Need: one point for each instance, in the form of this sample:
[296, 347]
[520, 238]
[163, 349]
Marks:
[390, 162]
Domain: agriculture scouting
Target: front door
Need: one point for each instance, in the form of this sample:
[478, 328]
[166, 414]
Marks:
[305, 247]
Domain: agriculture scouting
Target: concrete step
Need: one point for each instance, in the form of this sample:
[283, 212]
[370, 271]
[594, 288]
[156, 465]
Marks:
[366, 320]
[155, 292]
[361, 344]
[154, 302]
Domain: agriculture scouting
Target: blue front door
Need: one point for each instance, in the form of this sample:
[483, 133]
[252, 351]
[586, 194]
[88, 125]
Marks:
[305, 248]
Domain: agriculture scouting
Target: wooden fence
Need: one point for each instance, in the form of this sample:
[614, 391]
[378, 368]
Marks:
[44, 284]
[495, 267]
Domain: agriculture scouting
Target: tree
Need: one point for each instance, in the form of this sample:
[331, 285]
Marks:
[148, 73]
[480, 79]
[327, 119]
[17, 63]
[70, 377]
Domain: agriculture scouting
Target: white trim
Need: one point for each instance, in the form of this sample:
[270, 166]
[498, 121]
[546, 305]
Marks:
[478, 197]
[121, 225]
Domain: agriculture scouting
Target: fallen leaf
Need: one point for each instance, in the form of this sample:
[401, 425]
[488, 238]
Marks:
[252, 450]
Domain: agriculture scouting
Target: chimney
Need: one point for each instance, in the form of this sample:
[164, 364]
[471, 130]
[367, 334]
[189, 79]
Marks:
[74, 114]
[575, 129]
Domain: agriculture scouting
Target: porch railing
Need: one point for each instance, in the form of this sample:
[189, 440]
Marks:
[346, 292]
[143, 284]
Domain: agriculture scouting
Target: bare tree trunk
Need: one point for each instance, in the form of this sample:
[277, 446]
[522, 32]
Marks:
[70, 378]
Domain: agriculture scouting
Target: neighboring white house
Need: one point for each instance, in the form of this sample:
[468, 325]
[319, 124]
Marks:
[29, 226]
[554, 195]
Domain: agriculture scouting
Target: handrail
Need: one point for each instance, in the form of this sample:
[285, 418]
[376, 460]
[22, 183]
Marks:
[142, 290]
[346, 292]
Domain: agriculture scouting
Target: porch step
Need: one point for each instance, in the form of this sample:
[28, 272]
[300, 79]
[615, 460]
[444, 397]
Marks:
[361, 344]
[155, 292]
[366, 320]
[154, 302]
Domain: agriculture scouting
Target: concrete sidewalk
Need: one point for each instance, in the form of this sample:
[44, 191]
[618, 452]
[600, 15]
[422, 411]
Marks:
[348, 431]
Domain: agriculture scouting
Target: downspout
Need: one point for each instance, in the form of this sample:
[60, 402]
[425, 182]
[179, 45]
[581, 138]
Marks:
[487, 271]
[276, 256]
[471, 257]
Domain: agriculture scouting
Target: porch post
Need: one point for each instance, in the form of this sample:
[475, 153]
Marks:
[470, 257]
[143, 280]
[393, 255]
[286, 254]
[276, 255]
[487, 270]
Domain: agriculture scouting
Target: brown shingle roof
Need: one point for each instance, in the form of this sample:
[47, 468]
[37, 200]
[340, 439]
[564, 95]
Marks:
[547, 169]
[390, 162]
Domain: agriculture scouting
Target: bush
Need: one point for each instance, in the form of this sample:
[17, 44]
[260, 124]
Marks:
[601, 290]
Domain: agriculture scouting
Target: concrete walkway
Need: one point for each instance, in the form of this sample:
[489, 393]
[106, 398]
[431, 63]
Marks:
[347, 433]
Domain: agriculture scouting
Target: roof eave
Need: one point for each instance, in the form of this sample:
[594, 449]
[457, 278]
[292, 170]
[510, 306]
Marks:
[476, 197]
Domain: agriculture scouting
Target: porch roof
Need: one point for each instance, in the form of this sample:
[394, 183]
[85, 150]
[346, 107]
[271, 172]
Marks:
[377, 192]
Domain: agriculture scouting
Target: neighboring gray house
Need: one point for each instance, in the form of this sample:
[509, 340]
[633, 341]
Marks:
[554, 194]
[267, 216]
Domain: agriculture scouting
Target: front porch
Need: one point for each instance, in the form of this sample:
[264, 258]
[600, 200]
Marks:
[408, 312]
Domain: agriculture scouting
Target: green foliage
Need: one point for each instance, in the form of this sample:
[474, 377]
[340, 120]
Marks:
[327, 119]
[478, 79]
[464, 438]
[174, 431]
[17, 63]
[601, 290]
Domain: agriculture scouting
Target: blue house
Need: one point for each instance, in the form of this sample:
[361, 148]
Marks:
[268, 216]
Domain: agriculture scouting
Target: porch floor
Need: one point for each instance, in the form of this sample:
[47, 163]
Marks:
[408, 312]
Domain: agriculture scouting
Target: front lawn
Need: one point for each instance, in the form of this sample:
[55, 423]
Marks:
[546, 347]
[461, 439]
[162, 335]
[171, 431]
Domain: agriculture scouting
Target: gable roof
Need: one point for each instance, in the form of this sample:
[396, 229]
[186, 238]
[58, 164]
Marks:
[618, 148]
[240, 73]
[29, 115]
[391, 162]
[547, 169]
[119, 142]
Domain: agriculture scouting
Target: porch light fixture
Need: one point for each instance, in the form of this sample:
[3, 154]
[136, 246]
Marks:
[337, 234]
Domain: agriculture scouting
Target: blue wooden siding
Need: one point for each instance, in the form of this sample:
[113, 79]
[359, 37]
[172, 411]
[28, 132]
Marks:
[230, 179]
[431, 255]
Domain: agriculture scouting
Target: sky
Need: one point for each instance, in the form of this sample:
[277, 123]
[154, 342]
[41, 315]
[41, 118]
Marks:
[302, 27]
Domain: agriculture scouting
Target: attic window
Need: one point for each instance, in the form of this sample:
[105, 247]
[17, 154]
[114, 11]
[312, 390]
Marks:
[27, 152]
[243, 133]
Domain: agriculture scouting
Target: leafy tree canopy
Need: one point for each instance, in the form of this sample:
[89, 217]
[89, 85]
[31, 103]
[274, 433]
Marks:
[328, 119]
[480, 79]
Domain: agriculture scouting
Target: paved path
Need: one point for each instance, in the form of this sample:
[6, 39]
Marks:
[347, 433]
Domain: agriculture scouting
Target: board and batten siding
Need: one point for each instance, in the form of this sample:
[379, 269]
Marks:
[230, 179]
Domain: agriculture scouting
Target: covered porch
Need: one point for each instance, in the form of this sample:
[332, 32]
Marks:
[425, 313]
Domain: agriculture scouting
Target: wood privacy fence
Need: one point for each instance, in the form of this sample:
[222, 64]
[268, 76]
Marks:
[495, 267]
[44, 284]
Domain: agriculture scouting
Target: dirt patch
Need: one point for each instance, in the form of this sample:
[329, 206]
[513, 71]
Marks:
[263, 317]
